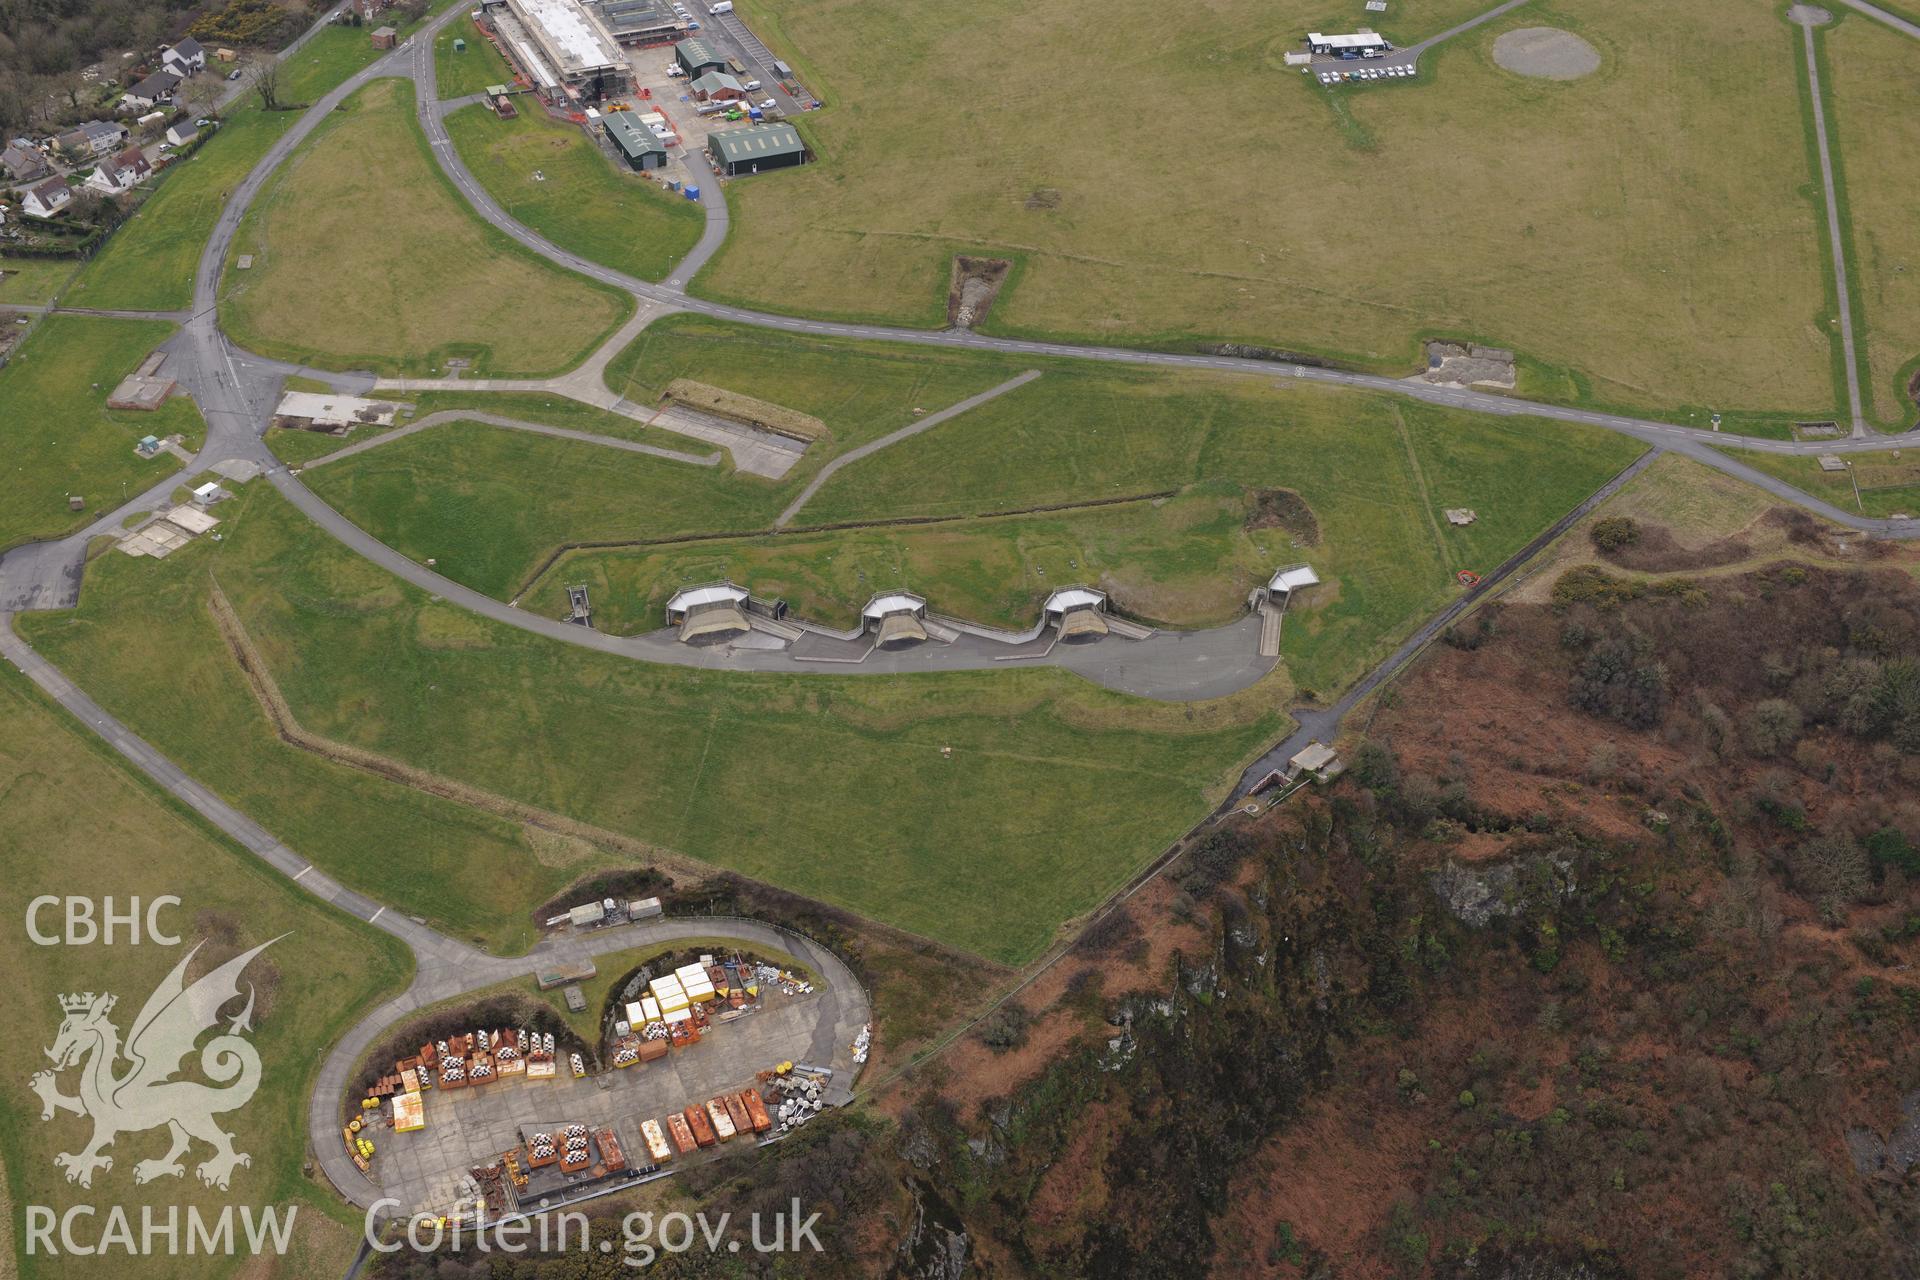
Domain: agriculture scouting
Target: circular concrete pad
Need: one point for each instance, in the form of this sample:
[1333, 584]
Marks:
[1809, 15]
[1546, 53]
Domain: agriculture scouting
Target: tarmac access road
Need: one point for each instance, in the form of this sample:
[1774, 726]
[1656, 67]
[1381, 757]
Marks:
[445, 968]
[236, 393]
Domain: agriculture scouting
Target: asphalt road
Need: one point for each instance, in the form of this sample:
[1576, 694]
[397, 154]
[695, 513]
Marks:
[1836, 250]
[236, 393]
[444, 967]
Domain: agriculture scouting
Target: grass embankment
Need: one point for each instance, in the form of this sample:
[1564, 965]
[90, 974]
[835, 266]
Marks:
[581, 202]
[434, 284]
[148, 263]
[1376, 472]
[1639, 264]
[32, 282]
[458, 73]
[1873, 484]
[1865, 69]
[58, 434]
[837, 788]
[79, 822]
[457, 494]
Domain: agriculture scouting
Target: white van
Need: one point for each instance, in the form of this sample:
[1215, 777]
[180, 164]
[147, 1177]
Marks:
[725, 6]
[751, 85]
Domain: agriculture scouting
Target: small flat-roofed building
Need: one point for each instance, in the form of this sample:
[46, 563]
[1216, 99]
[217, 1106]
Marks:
[1080, 613]
[1316, 760]
[206, 493]
[756, 148]
[635, 142]
[385, 37]
[1291, 579]
[1355, 45]
[708, 612]
[696, 57]
[895, 618]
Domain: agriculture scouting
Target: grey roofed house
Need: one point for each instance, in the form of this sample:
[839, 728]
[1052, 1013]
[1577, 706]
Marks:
[188, 49]
[157, 87]
[23, 164]
[716, 83]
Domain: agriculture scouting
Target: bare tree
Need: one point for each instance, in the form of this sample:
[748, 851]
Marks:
[265, 81]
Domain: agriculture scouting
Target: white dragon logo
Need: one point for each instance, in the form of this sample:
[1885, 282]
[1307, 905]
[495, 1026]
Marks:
[146, 1095]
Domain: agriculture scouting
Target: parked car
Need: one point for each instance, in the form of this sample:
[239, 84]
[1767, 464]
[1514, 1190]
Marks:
[235, 74]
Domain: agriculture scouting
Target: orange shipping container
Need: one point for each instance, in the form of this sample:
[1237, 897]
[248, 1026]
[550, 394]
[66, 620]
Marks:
[757, 1111]
[701, 1126]
[652, 1049]
[737, 1112]
[682, 1135]
[610, 1153]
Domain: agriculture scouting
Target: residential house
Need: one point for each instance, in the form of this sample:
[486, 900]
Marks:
[182, 133]
[187, 58]
[120, 174]
[95, 137]
[47, 199]
[156, 89]
[24, 164]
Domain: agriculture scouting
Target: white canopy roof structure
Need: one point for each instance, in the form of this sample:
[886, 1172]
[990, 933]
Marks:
[892, 602]
[713, 593]
[1356, 40]
[1293, 578]
[1075, 598]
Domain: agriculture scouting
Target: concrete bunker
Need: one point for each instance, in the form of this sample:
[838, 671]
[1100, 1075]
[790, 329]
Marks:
[712, 612]
[1078, 613]
[895, 619]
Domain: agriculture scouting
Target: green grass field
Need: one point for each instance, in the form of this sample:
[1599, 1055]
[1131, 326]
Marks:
[987, 849]
[470, 70]
[1876, 127]
[58, 434]
[32, 281]
[1377, 473]
[79, 822]
[433, 283]
[148, 264]
[1886, 486]
[1645, 234]
[582, 202]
